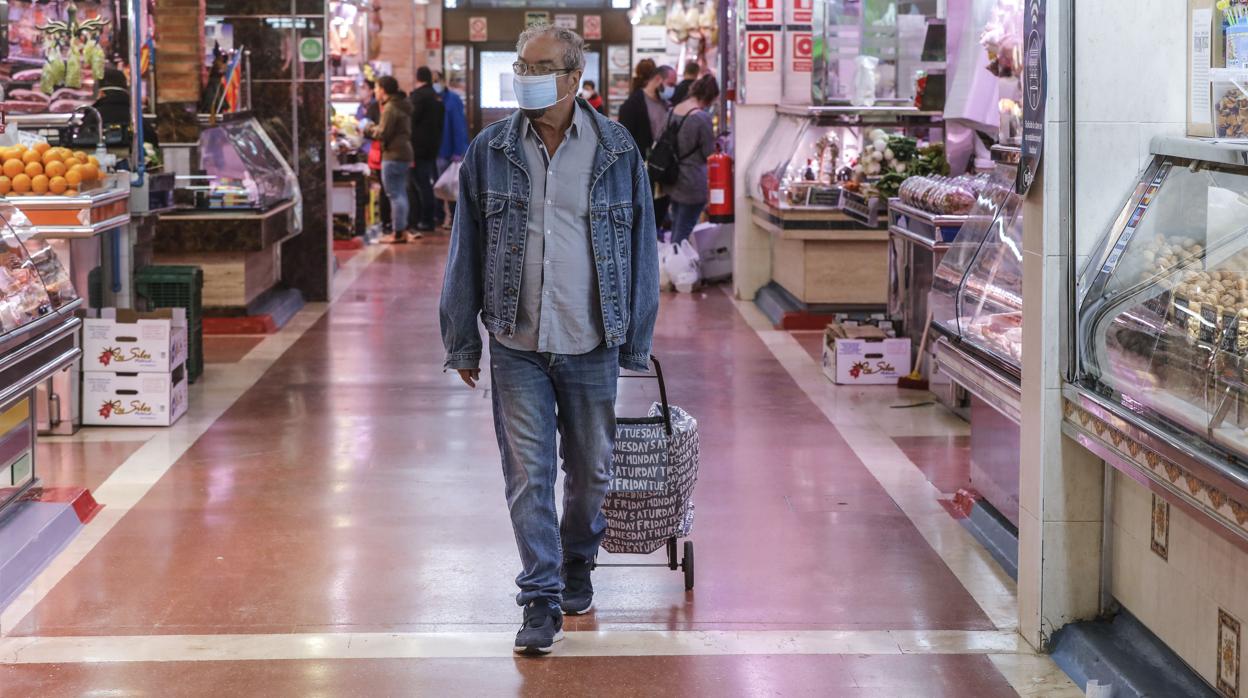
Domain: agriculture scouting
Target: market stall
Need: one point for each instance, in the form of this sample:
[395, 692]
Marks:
[237, 201]
[814, 186]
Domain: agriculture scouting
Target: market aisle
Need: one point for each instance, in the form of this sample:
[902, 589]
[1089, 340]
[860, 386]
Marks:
[345, 516]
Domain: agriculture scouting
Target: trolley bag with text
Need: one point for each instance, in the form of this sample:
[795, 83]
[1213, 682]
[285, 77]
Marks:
[654, 470]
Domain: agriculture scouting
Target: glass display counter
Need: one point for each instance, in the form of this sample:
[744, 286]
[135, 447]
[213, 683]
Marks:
[237, 200]
[1162, 332]
[829, 242]
[38, 340]
[977, 313]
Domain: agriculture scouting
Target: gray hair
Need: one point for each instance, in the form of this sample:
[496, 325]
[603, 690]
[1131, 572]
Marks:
[573, 44]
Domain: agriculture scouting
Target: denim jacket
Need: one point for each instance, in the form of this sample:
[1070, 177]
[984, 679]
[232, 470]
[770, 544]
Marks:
[486, 258]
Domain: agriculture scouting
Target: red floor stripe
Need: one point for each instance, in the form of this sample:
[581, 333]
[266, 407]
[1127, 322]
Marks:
[254, 324]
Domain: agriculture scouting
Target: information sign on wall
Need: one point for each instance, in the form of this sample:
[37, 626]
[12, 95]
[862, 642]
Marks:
[762, 12]
[478, 29]
[433, 38]
[593, 27]
[763, 84]
[534, 18]
[566, 22]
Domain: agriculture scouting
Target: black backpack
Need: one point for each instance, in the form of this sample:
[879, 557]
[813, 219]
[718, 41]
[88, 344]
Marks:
[663, 164]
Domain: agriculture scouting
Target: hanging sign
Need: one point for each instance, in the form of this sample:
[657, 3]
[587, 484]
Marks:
[762, 12]
[433, 38]
[566, 22]
[478, 29]
[311, 49]
[533, 18]
[800, 11]
[1034, 88]
[763, 83]
[593, 27]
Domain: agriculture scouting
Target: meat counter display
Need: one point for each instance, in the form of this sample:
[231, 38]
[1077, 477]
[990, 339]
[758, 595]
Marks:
[1161, 390]
[38, 339]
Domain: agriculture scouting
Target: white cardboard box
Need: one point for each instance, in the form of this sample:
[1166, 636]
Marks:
[133, 399]
[130, 342]
[864, 355]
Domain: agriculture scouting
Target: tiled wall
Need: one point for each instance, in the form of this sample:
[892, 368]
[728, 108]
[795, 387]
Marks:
[1130, 85]
[1188, 585]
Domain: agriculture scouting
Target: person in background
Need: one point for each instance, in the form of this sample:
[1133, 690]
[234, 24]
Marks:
[694, 144]
[369, 114]
[637, 112]
[668, 89]
[589, 93]
[428, 114]
[562, 266]
[394, 133]
[692, 70]
[644, 114]
[454, 139]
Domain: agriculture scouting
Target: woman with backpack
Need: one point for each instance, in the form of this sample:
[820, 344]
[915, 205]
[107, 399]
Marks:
[694, 142]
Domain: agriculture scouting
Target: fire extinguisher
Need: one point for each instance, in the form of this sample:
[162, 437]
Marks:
[719, 180]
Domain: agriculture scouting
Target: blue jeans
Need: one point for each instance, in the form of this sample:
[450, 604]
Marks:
[394, 181]
[537, 396]
[424, 174]
[684, 218]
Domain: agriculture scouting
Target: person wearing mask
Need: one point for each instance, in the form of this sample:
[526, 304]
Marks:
[589, 93]
[394, 133]
[568, 295]
[692, 70]
[668, 89]
[454, 139]
[428, 114]
[695, 142]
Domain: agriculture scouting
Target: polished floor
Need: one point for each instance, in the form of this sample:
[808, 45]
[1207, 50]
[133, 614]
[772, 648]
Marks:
[329, 521]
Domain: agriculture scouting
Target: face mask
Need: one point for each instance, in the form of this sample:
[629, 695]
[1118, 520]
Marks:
[439, 87]
[537, 93]
[667, 92]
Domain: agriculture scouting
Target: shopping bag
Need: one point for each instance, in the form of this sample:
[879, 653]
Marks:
[651, 498]
[683, 266]
[665, 279]
[447, 186]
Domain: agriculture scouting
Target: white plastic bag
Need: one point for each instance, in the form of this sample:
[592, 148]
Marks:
[665, 279]
[447, 186]
[865, 79]
[683, 266]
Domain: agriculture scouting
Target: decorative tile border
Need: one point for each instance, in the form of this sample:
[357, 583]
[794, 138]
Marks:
[1161, 527]
[1228, 655]
[1214, 501]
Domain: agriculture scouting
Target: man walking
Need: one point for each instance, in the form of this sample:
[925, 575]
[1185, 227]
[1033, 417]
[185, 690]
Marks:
[554, 248]
[454, 138]
[427, 118]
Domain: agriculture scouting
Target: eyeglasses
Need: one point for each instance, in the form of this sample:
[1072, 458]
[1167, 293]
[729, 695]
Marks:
[522, 68]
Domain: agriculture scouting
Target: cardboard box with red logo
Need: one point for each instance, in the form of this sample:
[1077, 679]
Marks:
[131, 342]
[864, 355]
[134, 399]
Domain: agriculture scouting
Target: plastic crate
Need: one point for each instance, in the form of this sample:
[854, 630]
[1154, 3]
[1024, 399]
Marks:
[178, 287]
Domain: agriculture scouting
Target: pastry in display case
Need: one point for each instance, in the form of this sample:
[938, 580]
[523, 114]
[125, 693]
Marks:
[1163, 305]
[242, 170]
[977, 294]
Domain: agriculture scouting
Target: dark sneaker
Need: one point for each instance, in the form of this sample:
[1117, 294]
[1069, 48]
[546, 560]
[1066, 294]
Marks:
[578, 590]
[543, 627]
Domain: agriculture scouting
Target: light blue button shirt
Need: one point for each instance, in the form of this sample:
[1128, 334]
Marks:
[559, 310]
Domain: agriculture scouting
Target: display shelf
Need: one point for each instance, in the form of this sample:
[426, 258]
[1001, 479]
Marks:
[82, 216]
[924, 227]
[812, 224]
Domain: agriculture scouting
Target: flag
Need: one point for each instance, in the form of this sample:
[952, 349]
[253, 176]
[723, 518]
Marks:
[147, 56]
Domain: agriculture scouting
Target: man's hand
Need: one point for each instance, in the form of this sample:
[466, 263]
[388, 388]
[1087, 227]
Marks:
[470, 376]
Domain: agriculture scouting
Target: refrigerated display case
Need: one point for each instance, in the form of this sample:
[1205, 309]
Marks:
[1161, 390]
[38, 340]
[977, 312]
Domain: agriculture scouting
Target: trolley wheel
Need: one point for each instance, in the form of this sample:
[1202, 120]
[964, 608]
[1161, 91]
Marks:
[673, 562]
[687, 565]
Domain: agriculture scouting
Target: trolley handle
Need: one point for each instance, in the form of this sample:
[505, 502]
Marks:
[666, 419]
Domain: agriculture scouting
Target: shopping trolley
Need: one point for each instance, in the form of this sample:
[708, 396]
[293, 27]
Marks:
[655, 510]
